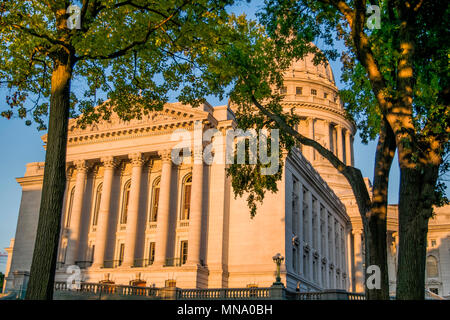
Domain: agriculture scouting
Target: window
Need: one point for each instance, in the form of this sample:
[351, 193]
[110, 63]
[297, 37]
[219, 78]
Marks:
[434, 290]
[125, 201]
[314, 92]
[305, 264]
[324, 276]
[283, 90]
[433, 243]
[62, 251]
[295, 204]
[155, 200]
[432, 267]
[315, 270]
[305, 217]
[325, 95]
[69, 208]
[91, 253]
[151, 252]
[186, 198]
[98, 197]
[294, 259]
[121, 253]
[298, 90]
[183, 252]
[314, 223]
[322, 230]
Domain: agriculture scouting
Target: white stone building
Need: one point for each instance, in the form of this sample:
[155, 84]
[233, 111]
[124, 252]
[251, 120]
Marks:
[132, 216]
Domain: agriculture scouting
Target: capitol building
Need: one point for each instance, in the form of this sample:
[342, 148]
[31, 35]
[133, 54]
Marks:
[133, 216]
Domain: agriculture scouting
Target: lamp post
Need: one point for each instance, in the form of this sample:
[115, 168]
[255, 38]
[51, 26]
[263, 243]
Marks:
[278, 259]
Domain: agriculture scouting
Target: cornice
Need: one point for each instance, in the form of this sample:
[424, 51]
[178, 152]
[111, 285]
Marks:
[314, 178]
[31, 180]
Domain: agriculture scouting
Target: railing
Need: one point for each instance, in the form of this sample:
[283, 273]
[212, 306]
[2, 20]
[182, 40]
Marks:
[173, 262]
[83, 264]
[203, 294]
[183, 224]
[325, 295]
[226, 293]
[112, 263]
[309, 296]
[104, 288]
[139, 263]
[356, 296]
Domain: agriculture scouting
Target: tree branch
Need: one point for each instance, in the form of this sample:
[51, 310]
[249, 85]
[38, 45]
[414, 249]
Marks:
[353, 175]
[126, 49]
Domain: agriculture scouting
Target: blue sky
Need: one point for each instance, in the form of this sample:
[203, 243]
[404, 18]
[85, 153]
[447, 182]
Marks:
[21, 144]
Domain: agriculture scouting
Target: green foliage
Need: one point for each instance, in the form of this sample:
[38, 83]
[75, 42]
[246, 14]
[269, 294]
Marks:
[248, 64]
[129, 55]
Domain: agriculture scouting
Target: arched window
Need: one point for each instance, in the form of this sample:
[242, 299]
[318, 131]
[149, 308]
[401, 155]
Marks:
[186, 197]
[69, 208]
[125, 201]
[432, 267]
[155, 200]
[98, 198]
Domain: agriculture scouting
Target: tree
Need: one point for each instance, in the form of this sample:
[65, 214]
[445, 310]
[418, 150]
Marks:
[120, 49]
[398, 76]
[254, 65]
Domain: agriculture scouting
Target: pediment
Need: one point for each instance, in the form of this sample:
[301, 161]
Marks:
[171, 114]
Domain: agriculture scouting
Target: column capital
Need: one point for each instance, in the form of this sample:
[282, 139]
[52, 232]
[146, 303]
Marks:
[356, 232]
[165, 155]
[137, 159]
[151, 163]
[81, 165]
[69, 171]
[347, 133]
[109, 162]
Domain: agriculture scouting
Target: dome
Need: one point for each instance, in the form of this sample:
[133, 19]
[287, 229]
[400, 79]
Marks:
[306, 69]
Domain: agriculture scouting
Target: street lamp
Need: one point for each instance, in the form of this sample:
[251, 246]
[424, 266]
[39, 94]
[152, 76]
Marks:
[278, 259]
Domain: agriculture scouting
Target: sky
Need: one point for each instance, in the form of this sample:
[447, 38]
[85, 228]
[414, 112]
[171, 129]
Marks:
[20, 145]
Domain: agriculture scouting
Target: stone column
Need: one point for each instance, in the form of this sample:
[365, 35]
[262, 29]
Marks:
[195, 217]
[319, 243]
[340, 144]
[311, 235]
[359, 273]
[137, 162]
[300, 233]
[311, 136]
[348, 148]
[333, 253]
[325, 254]
[75, 219]
[104, 212]
[349, 268]
[162, 224]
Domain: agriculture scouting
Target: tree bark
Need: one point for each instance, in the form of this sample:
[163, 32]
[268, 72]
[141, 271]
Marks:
[415, 209]
[42, 273]
[376, 227]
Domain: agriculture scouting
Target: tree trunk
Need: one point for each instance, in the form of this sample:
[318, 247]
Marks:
[415, 209]
[376, 253]
[373, 213]
[376, 228]
[43, 265]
